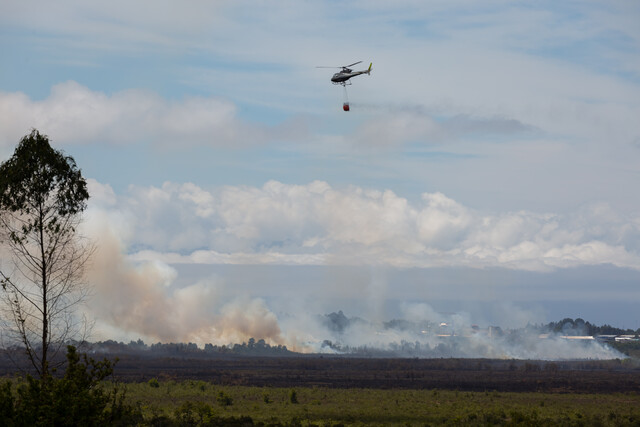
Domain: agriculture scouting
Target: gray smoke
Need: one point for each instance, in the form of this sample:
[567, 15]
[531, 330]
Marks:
[142, 300]
[452, 336]
[138, 300]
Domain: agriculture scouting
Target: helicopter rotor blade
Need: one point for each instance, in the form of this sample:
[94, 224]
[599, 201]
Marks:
[355, 63]
[328, 67]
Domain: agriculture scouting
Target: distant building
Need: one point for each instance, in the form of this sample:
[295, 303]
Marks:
[605, 338]
[626, 338]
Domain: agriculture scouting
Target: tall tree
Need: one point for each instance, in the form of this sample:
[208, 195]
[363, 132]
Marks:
[42, 197]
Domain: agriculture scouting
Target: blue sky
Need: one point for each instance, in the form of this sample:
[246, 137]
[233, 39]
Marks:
[491, 137]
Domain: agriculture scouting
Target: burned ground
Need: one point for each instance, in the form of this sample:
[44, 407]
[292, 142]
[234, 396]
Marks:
[340, 372]
[585, 376]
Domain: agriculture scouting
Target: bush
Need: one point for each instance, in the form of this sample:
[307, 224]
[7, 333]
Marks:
[7, 403]
[224, 399]
[75, 399]
[194, 413]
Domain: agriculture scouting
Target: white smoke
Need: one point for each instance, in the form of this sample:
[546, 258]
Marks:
[139, 296]
[139, 299]
[451, 335]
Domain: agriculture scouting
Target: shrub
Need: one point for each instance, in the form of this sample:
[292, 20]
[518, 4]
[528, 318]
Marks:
[7, 403]
[77, 398]
[194, 413]
[224, 399]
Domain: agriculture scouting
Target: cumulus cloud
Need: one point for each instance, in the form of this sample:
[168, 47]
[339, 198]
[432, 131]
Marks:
[316, 224]
[73, 113]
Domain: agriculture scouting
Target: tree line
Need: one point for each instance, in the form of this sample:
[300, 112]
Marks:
[581, 327]
[252, 347]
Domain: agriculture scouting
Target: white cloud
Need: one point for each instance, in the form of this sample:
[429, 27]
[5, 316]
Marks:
[75, 114]
[398, 128]
[317, 224]
[442, 221]
[482, 76]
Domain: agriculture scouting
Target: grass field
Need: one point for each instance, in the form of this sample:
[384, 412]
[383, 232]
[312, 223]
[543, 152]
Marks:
[197, 402]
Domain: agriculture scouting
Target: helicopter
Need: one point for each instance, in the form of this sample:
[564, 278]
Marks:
[342, 77]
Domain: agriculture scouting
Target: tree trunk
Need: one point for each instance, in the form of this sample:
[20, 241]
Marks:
[45, 321]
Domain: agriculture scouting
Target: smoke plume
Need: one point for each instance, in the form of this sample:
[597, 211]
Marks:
[139, 299]
[144, 298]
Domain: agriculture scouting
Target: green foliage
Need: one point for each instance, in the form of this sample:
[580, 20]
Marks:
[37, 173]
[7, 402]
[293, 396]
[153, 382]
[579, 326]
[194, 413]
[223, 399]
[78, 398]
[351, 407]
[630, 348]
[186, 404]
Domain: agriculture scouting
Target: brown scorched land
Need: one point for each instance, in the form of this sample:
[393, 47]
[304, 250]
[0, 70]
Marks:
[343, 372]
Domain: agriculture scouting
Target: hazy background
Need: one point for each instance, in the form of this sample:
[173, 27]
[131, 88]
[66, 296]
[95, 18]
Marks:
[489, 165]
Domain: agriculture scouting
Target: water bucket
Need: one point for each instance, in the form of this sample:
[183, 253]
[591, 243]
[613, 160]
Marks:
[345, 106]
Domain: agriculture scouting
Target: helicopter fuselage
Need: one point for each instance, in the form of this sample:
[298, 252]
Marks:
[343, 76]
